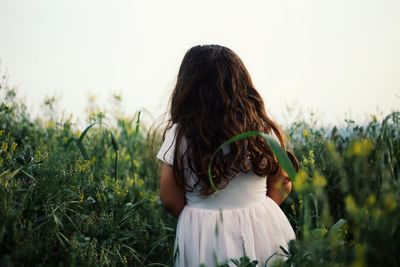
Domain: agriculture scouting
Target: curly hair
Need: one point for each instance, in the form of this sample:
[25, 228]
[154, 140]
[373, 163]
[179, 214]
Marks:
[214, 100]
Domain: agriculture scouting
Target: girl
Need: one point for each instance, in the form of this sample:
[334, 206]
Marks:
[214, 99]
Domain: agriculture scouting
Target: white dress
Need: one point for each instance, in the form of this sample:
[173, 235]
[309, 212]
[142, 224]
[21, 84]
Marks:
[235, 221]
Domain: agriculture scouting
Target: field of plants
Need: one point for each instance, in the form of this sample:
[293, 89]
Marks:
[89, 197]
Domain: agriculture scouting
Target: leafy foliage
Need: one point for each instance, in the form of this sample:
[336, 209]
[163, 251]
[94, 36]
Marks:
[63, 200]
[349, 176]
[91, 198]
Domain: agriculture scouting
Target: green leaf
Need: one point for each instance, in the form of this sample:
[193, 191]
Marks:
[335, 229]
[230, 141]
[276, 148]
[83, 134]
[114, 141]
[285, 250]
[80, 144]
[82, 149]
[281, 155]
[9, 175]
[138, 122]
[318, 233]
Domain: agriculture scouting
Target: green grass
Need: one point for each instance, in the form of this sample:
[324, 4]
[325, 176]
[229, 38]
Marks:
[90, 197]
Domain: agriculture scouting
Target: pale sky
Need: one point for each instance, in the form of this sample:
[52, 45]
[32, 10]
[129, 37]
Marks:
[338, 57]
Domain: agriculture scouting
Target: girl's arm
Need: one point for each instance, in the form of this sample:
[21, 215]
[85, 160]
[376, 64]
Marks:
[279, 187]
[171, 194]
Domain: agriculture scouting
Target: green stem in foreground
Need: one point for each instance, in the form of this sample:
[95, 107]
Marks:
[276, 148]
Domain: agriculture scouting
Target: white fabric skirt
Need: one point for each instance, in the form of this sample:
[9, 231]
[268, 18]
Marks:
[213, 237]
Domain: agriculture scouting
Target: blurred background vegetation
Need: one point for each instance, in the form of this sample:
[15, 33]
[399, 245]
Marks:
[89, 197]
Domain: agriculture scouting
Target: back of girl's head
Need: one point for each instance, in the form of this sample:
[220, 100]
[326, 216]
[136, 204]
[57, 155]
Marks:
[212, 80]
[214, 99]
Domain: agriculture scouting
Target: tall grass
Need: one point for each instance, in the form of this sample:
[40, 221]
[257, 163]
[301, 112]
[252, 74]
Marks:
[78, 198]
[345, 207]
[90, 197]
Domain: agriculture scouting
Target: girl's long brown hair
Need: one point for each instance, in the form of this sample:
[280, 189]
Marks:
[214, 100]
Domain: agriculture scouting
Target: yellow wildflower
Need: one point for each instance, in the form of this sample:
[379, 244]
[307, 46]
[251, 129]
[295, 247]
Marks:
[83, 166]
[50, 124]
[319, 181]
[136, 163]
[390, 202]
[361, 148]
[13, 147]
[301, 203]
[371, 200]
[306, 133]
[77, 132]
[131, 182]
[120, 190]
[311, 156]
[139, 182]
[90, 178]
[293, 207]
[331, 146]
[351, 206]
[4, 147]
[300, 180]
